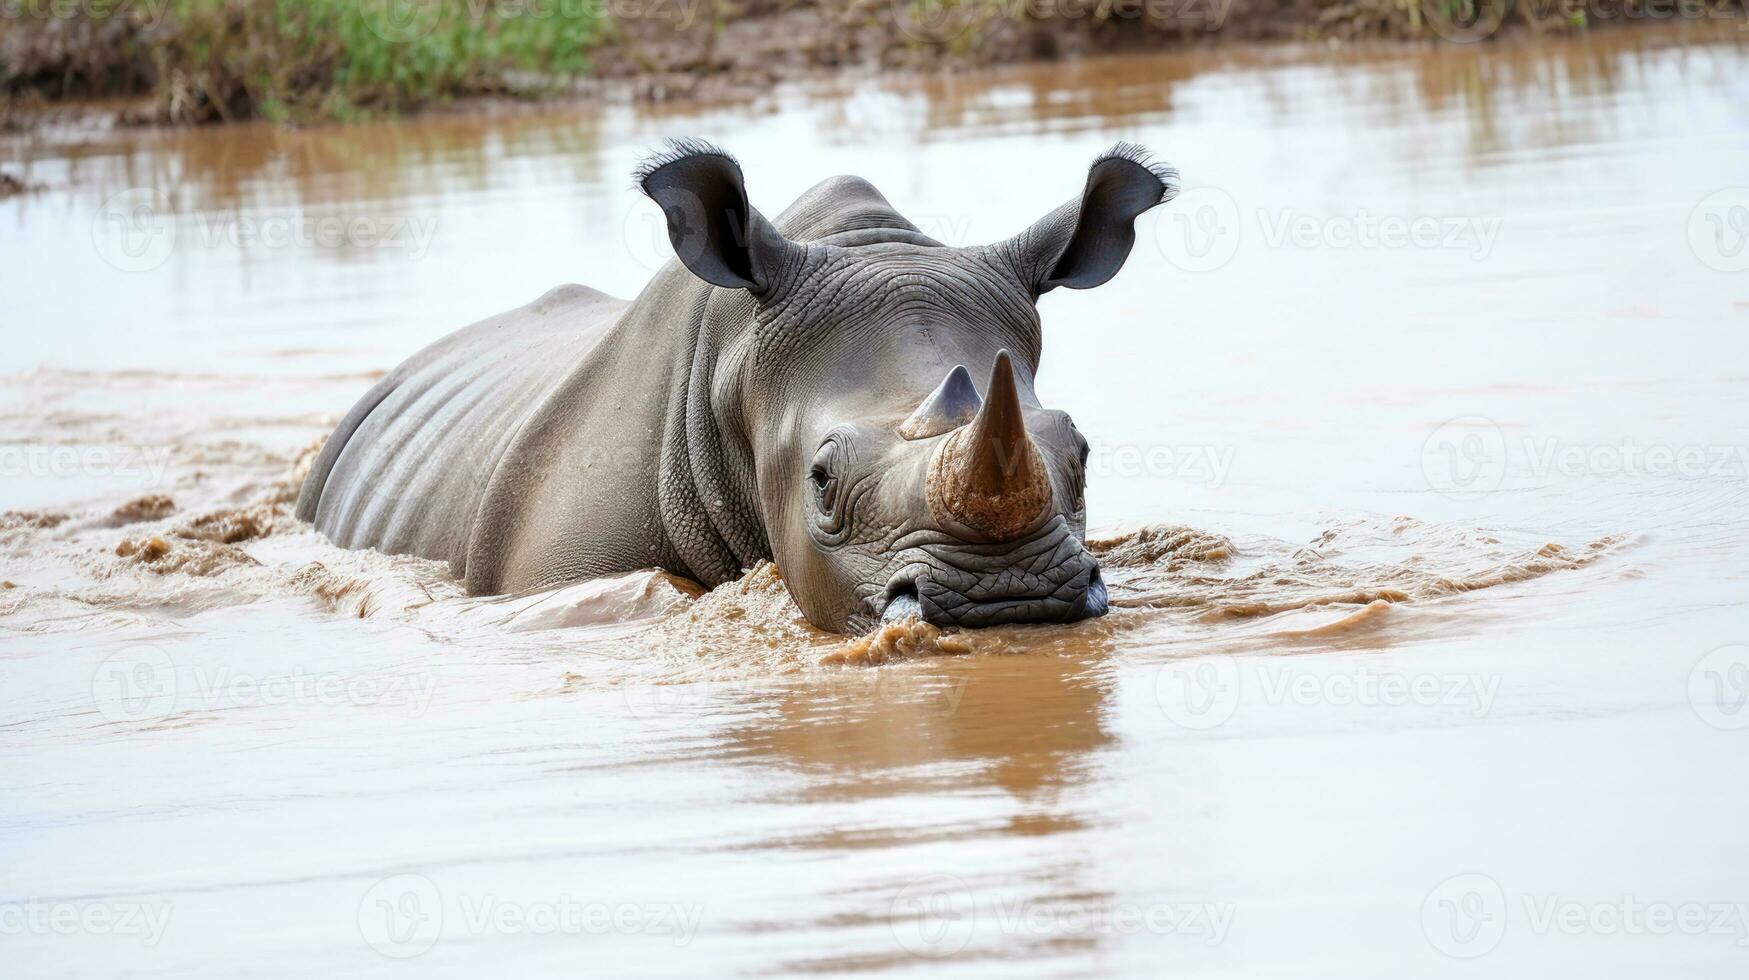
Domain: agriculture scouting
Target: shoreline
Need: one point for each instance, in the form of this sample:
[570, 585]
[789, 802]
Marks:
[751, 81]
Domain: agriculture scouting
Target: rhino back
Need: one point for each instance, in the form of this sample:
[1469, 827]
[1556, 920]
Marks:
[590, 483]
[407, 469]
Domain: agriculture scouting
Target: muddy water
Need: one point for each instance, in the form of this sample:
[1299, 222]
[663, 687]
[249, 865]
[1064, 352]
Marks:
[1418, 472]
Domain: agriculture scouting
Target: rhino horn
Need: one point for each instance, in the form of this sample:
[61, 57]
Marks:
[988, 475]
[952, 404]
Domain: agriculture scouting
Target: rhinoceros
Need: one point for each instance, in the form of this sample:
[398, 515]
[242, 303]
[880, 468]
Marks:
[833, 391]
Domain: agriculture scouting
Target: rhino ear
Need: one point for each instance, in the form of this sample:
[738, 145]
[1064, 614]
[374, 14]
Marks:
[715, 232]
[1083, 243]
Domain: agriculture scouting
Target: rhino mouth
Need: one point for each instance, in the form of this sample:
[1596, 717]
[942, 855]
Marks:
[1048, 578]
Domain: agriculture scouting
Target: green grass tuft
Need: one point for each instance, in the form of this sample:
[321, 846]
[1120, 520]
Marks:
[212, 60]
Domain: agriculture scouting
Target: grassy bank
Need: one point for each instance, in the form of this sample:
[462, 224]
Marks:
[217, 60]
[197, 61]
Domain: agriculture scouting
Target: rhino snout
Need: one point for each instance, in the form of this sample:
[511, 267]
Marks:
[1049, 578]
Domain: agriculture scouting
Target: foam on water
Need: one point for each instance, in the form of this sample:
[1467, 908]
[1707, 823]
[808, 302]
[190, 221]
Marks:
[223, 535]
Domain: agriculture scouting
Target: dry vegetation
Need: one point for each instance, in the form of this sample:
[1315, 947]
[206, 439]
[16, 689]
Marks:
[201, 61]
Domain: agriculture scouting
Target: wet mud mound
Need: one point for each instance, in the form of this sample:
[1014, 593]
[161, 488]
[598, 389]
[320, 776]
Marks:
[1356, 563]
[752, 621]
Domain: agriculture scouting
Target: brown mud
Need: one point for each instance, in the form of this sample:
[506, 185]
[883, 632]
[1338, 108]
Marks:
[1200, 578]
[1170, 567]
[741, 53]
[151, 507]
[724, 53]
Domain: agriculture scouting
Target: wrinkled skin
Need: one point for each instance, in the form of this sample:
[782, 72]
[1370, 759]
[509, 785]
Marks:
[860, 529]
[768, 395]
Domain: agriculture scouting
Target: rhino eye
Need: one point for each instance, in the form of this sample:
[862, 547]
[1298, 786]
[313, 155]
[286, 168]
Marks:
[823, 480]
[1082, 452]
[1082, 449]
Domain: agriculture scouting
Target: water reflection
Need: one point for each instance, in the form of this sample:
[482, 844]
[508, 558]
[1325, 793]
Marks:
[1502, 96]
[1023, 725]
[950, 753]
[257, 165]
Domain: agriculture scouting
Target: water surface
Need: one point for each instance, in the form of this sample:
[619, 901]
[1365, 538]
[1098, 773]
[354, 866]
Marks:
[1418, 426]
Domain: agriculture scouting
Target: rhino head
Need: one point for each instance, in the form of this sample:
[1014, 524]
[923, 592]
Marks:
[876, 388]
